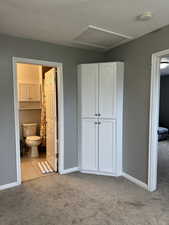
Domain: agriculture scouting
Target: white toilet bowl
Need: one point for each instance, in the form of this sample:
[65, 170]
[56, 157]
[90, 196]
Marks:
[33, 142]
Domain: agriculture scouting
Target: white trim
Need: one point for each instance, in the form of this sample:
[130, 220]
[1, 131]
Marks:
[71, 170]
[89, 44]
[109, 31]
[154, 119]
[135, 181]
[78, 115]
[60, 110]
[17, 130]
[119, 128]
[10, 185]
[99, 173]
[61, 119]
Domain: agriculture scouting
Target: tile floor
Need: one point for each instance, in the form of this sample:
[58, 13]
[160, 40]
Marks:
[30, 169]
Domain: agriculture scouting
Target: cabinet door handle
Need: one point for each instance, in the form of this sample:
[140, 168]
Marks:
[97, 123]
[97, 114]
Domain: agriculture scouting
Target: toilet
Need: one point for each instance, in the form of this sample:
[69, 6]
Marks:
[32, 141]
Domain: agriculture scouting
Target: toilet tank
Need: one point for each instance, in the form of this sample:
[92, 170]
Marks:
[29, 129]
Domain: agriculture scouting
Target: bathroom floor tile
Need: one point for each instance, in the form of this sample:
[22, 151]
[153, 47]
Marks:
[30, 169]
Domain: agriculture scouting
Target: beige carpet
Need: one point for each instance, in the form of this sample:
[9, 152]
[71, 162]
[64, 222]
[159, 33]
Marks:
[163, 164]
[80, 199]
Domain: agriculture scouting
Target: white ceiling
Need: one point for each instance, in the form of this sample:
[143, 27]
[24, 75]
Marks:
[61, 21]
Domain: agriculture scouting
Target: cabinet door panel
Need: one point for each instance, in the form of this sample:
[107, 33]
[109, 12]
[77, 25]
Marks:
[34, 92]
[89, 90]
[89, 143]
[29, 92]
[107, 90]
[107, 145]
[23, 92]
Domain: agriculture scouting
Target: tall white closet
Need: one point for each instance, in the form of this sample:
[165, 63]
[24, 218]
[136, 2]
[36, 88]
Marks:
[100, 111]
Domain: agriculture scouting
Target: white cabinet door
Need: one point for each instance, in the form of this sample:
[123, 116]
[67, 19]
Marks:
[89, 145]
[107, 145]
[34, 92]
[89, 90]
[107, 90]
[29, 92]
[23, 92]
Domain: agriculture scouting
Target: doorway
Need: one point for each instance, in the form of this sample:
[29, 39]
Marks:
[155, 128]
[38, 105]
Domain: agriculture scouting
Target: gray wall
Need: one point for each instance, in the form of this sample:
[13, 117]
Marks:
[70, 57]
[137, 58]
[164, 101]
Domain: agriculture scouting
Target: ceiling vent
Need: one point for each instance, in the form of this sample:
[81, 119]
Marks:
[100, 38]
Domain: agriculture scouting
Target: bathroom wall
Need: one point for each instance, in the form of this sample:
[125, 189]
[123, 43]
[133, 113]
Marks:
[29, 112]
[29, 116]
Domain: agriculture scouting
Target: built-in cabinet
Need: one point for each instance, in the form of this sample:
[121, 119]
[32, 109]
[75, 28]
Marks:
[100, 111]
[29, 78]
[29, 92]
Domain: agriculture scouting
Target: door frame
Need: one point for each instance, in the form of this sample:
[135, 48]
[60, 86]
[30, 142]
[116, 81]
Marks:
[154, 118]
[59, 67]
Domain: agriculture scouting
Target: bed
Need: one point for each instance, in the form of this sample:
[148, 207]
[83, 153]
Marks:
[162, 133]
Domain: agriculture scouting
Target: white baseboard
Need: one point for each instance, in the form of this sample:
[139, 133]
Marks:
[135, 181]
[10, 185]
[71, 170]
[98, 173]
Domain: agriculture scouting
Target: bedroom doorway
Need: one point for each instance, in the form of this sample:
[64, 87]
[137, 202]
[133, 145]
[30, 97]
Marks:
[163, 129]
[158, 167]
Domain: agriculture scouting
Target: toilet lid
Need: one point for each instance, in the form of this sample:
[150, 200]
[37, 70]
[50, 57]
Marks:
[33, 138]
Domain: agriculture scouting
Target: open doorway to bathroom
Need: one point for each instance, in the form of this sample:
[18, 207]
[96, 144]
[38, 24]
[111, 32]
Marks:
[38, 120]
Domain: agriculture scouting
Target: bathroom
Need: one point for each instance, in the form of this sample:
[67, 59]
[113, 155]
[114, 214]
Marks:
[37, 97]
